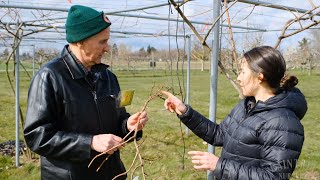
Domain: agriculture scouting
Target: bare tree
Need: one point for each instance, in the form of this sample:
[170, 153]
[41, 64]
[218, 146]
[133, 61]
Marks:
[308, 17]
[16, 32]
[203, 40]
[315, 47]
[199, 53]
[252, 40]
[306, 55]
[44, 55]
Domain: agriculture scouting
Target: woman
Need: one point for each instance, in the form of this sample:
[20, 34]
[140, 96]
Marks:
[262, 137]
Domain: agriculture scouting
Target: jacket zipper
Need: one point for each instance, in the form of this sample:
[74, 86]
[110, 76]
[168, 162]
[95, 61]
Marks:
[95, 98]
[97, 107]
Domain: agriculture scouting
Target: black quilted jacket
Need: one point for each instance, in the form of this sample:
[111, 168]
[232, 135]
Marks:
[260, 140]
[65, 111]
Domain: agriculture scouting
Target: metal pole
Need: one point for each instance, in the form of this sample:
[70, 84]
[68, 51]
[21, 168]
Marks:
[180, 20]
[214, 73]
[120, 14]
[142, 8]
[67, 9]
[17, 99]
[133, 33]
[275, 6]
[34, 54]
[188, 75]
[254, 2]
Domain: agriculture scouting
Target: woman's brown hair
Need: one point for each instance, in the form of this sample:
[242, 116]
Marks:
[271, 64]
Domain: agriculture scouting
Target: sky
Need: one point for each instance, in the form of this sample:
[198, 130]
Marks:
[242, 14]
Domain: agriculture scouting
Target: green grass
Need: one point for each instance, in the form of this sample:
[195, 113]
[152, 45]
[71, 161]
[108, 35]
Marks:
[163, 147]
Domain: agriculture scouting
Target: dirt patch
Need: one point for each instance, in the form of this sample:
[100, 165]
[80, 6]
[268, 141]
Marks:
[312, 175]
[9, 148]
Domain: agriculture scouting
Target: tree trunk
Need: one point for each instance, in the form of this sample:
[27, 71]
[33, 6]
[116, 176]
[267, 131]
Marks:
[310, 66]
[202, 65]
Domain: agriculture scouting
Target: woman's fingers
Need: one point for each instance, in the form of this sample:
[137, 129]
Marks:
[167, 94]
[173, 104]
[193, 153]
[203, 160]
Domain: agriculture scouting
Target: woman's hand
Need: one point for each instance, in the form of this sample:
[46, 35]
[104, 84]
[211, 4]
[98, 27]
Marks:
[173, 104]
[203, 160]
[138, 117]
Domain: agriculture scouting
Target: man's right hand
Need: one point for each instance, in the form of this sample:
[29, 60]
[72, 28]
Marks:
[104, 142]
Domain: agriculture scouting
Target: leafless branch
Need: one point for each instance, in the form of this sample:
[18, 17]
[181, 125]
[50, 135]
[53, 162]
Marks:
[246, 15]
[201, 13]
[233, 82]
[177, 7]
[300, 30]
[215, 22]
[128, 170]
[312, 4]
[4, 15]
[153, 94]
[185, 1]
[234, 51]
[298, 19]
[37, 31]
[7, 28]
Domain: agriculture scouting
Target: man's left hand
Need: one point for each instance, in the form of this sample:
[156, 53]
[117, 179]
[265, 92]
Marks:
[139, 118]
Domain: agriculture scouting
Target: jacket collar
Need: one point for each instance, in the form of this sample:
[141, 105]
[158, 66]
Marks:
[292, 99]
[75, 70]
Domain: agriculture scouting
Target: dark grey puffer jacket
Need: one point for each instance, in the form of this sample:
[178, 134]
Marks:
[260, 140]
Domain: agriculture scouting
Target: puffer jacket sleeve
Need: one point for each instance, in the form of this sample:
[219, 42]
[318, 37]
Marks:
[204, 128]
[40, 132]
[281, 138]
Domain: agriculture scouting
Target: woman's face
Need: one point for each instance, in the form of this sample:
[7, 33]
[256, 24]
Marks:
[248, 80]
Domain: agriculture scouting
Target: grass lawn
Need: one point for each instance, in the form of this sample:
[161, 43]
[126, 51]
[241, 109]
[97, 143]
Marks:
[163, 147]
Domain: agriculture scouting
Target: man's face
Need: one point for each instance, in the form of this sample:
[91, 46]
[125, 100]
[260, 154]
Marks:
[93, 48]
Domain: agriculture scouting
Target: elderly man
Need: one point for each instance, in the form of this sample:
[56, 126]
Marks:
[72, 112]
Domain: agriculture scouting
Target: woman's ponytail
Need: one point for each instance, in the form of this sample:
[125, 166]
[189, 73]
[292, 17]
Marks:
[288, 82]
